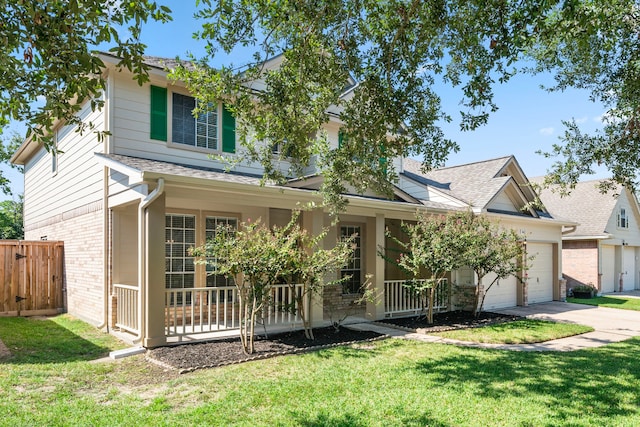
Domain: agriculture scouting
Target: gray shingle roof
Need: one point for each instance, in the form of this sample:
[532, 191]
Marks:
[473, 183]
[585, 205]
[169, 169]
[165, 63]
[177, 169]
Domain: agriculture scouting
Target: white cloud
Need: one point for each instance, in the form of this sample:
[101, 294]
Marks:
[607, 118]
[546, 131]
[581, 120]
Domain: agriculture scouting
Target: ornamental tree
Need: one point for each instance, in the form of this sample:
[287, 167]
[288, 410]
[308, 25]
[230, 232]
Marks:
[257, 257]
[429, 247]
[487, 248]
[435, 245]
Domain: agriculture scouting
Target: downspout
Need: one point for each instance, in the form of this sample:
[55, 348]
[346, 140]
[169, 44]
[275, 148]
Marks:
[142, 254]
[106, 226]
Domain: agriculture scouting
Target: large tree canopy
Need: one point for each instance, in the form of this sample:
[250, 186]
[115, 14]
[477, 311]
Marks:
[47, 58]
[398, 51]
[595, 45]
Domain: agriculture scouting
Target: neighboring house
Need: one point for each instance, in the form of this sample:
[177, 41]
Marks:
[130, 206]
[603, 249]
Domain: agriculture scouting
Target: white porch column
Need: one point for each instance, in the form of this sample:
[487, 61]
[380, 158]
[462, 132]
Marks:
[313, 222]
[375, 240]
[153, 264]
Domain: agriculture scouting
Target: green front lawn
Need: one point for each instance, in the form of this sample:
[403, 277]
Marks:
[524, 331]
[383, 383]
[624, 303]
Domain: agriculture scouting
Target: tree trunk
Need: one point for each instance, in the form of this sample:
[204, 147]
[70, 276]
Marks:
[432, 292]
[243, 310]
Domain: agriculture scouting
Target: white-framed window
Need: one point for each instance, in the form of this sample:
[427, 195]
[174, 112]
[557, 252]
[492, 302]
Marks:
[212, 224]
[623, 219]
[201, 131]
[180, 237]
[184, 231]
[353, 269]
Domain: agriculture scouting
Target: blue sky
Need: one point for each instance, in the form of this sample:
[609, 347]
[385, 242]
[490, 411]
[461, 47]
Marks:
[528, 119]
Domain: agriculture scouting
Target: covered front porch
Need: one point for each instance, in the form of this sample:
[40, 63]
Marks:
[160, 295]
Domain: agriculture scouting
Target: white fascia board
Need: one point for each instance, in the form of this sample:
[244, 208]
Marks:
[135, 176]
[594, 237]
[537, 220]
[132, 195]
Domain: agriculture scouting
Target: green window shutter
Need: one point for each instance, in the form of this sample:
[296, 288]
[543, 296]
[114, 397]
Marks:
[158, 113]
[340, 138]
[228, 131]
[382, 161]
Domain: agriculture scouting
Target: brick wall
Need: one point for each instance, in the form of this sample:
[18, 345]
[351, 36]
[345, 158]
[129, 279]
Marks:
[580, 262]
[337, 305]
[81, 231]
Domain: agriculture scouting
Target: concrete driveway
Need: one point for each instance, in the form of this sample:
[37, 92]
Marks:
[610, 324]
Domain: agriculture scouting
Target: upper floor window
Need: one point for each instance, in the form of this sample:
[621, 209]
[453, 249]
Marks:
[213, 129]
[200, 131]
[623, 219]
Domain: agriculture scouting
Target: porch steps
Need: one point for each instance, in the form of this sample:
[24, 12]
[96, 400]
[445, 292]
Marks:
[126, 352]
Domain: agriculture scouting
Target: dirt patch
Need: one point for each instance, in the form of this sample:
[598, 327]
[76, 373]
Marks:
[449, 321]
[189, 357]
[4, 351]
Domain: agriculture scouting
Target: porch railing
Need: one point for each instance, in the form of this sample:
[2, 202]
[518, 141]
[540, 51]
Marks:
[127, 307]
[202, 310]
[400, 300]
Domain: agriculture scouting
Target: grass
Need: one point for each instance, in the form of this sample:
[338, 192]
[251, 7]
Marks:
[384, 383]
[612, 302]
[524, 331]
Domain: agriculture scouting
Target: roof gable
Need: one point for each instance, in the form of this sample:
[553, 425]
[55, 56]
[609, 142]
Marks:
[480, 184]
[586, 205]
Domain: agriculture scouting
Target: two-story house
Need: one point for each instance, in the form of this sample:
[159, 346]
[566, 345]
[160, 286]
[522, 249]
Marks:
[129, 208]
[603, 249]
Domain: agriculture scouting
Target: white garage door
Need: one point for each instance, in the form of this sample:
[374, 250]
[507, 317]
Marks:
[503, 293]
[540, 272]
[608, 264]
[629, 268]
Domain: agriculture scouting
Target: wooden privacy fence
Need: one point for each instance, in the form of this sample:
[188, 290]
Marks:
[31, 275]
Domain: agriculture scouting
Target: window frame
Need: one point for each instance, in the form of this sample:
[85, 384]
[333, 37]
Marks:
[347, 287]
[623, 218]
[200, 272]
[194, 147]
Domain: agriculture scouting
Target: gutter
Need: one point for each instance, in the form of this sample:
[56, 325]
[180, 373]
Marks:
[106, 225]
[142, 254]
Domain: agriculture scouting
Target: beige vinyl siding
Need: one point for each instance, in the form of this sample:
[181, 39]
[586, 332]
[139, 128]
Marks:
[78, 181]
[131, 128]
[426, 193]
[502, 203]
[416, 190]
[630, 235]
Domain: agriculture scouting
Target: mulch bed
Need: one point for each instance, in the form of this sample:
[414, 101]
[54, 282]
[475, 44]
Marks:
[189, 357]
[449, 321]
